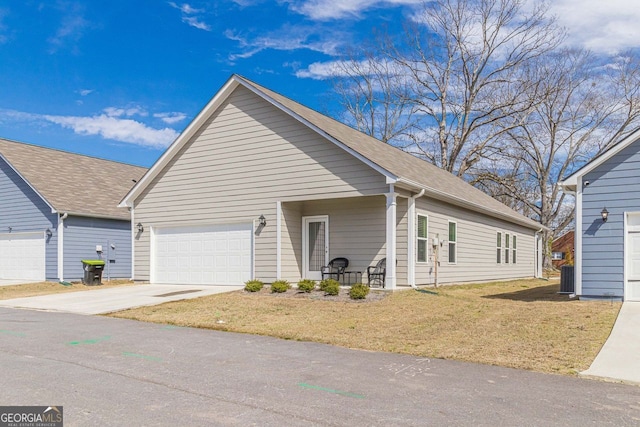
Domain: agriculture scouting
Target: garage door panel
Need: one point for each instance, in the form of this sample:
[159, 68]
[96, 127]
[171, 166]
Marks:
[219, 254]
[22, 256]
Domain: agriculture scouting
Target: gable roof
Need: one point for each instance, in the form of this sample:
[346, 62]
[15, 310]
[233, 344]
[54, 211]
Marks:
[72, 183]
[569, 183]
[397, 165]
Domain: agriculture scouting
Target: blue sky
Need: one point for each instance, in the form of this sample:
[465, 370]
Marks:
[121, 79]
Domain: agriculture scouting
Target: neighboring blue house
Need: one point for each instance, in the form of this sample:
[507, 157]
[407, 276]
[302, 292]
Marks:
[607, 215]
[57, 208]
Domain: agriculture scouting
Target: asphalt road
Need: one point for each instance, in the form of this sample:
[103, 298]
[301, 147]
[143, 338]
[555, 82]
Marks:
[114, 372]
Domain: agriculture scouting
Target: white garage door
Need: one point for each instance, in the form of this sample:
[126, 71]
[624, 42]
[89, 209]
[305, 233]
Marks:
[204, 255]
[22, 256]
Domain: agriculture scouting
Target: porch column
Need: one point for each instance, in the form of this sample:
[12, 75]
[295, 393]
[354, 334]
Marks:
[390, 281]
[278, 240]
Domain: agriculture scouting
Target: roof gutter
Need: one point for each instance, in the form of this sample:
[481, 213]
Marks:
[440, 195]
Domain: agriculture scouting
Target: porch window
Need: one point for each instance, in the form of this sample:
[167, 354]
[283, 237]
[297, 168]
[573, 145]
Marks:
[499, 247]
[557, 256]
[453, 242]
[422, 238]
[513, 249]
[506, 248]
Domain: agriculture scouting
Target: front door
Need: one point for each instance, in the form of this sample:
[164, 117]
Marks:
[632, 291]
[315, 244]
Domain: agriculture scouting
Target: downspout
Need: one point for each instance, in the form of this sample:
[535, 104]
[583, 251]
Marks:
[412, 239]
[61, 219]
[539, 266]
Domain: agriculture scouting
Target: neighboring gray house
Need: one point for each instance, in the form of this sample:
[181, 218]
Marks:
[259, 186]
[607, 252]
[58, 208]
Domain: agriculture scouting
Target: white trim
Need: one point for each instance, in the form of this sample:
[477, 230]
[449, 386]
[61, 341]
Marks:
[499, 258]
[152, 254]
[573, 179]
[411, 242]
[278, 239]
[305, 233]
[391, 232]
[577, 259]
[133, 242]
[60, 231]
[625, 277]
[415, 238]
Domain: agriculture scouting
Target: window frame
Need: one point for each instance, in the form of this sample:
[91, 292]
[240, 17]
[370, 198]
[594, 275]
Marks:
[454, 243]
[419, 239]
[498, 247]
[513, 249]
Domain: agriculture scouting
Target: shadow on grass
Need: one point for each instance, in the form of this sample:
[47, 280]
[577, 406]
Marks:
[538, 293]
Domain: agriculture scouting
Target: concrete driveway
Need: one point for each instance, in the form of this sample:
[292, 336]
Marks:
[108, 300]
[619, 358]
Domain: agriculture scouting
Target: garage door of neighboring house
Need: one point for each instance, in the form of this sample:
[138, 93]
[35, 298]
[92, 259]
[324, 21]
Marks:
[202, 255]
[22, 256]
[632, 255]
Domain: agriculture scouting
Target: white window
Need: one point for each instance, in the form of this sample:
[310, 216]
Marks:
[453, 242]
[422, 238]
[557, 256]
[513, 249]
[506, 248]
[499, 247]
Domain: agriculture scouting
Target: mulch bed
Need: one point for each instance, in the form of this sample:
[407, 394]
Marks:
[343, 296]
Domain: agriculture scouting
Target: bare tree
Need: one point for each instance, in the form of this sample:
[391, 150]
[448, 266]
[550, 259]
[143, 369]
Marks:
[450, 79]
[579, 108]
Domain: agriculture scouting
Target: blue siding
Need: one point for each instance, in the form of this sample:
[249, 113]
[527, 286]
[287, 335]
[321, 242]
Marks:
[615, 185]
[82, 234]
[23, 210]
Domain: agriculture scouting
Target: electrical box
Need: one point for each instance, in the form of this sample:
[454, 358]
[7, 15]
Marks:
[98, 248]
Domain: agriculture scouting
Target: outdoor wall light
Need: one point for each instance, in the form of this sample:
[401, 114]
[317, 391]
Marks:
[605, 214]
[10, 228]
[48, 233]
[139, 227]
[263, 220]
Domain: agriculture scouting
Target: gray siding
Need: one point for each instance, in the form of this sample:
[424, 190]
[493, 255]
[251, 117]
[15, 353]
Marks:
[476, 246]
[23, 210]
[615, 185]
[82, 234]
[248, 156]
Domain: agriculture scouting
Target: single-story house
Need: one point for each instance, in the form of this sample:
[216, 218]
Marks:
[259, 186]
[59, 208]
[562, 249]
[607, 217]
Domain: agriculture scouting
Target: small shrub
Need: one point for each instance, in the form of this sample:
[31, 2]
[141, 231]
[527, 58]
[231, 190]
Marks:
[306, 285]
[358, 291]
[328, 283]
[332, 287]
[253, 285]
[280, 286]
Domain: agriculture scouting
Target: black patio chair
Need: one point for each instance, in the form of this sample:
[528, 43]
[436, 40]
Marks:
[336, 268]
[377, 273]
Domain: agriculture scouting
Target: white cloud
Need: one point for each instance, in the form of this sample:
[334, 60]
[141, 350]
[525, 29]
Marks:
[319, 70]
[339, 9]
[85, 92]
[124, 130]
[105, 125]
[128, 112]
[601, 26]
[189, 17]
[71, 28]
[170, 118]
[287, 38]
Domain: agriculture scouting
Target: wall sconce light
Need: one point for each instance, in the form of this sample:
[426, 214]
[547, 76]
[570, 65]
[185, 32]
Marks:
[10, 228]
[48, 233]
[139, 227]
[263, 220]
[605, 214]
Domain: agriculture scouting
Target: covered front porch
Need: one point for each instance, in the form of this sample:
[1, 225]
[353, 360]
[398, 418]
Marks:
[364, 230]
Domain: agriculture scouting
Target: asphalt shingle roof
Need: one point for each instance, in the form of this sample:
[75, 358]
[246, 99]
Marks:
[73, 183]
[399, 163]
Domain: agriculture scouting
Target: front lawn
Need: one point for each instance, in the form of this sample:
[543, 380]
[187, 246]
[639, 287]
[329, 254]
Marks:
[520, 324]
[47, 288]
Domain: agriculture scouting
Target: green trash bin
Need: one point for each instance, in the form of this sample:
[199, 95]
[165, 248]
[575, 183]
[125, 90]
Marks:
[92, 271]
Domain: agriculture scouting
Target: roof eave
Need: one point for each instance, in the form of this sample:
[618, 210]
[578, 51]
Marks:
[445, 197]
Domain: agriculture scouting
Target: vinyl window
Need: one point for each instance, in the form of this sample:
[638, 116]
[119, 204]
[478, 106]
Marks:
[506, 248]
[513, 250]
[499, 247]
[453, 242]
[422, 238]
